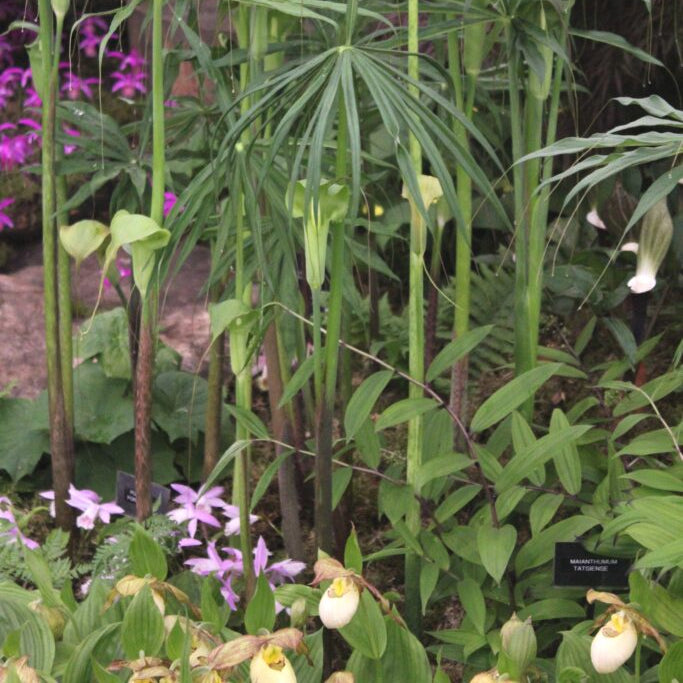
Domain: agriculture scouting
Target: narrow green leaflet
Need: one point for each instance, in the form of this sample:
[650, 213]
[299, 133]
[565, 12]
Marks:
[524, 463]
[495, 548]
[439, 467]
[566, 459]
[403, 411]
[429, 576]
[260, 612]
[543, 509]
[472, 600]
[456, 350]
[362, 401]
[512, 395]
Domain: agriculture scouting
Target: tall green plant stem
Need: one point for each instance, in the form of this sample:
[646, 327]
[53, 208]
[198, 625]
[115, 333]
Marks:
[61, 435]
[326, 399]
[463, 238]
[147, 341]
[413, 612]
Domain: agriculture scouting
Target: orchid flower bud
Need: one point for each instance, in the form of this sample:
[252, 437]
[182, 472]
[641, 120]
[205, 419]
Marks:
[518, 642]
[339, 603]
[614, 643]
[269, 665]
[655, 238]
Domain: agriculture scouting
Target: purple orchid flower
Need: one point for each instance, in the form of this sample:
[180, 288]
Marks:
[279, 572]
[35, 134]
[5, 220]
[169, 202]
[14, 150]
[222, 568]
[90, 37]
[195, 508]
[11, 532]
[74, 86]
[131, 60]
[232, 527]
[129, 83]
[32, 99]
[89, 503]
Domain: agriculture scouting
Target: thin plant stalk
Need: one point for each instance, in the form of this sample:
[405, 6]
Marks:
[214, 401]
[464, 101]
[413, 610]
[61, 435]
[149, 306]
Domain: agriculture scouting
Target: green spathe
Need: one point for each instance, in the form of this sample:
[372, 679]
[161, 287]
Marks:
[329, 205]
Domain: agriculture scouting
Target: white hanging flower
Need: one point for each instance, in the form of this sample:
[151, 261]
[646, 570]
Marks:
[594, 219]
[269, 665]
[614, 643]
[339, 603]
[655, 238]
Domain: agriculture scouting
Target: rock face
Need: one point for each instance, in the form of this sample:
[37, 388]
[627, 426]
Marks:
[184, 321]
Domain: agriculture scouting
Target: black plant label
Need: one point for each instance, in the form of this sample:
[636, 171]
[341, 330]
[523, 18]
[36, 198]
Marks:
[576, 566]
[125, 495]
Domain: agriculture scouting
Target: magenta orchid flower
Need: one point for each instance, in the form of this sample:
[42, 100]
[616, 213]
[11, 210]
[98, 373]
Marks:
[14, 150]
[132, 60]
[124, 271]
[129, 83]
[74, 86]
[69, 149]
[89, 503]
[5, 220]
[222, 568]
[279, 572]
[169, 202]
[90, 38]
[194, 508]
[10, 531]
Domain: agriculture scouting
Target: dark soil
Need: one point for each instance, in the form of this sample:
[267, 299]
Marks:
[184, 321]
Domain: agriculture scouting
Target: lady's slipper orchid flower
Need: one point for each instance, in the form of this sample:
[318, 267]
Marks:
[655, 238]
[614, 643]
[339, 603]
[269, 665]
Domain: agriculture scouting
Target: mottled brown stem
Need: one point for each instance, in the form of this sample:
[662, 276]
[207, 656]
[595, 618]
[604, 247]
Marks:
[214, 406]
[143, 418]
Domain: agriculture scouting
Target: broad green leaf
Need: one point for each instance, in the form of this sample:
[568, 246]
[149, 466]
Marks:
[214, 607]
[662, 608]
[40, 575]
[567, 461]
[146, 556]
[553, 608]
[524, 463]
[623, 336]
[79, 668]
[615, 40]
[297, 380]
[308, 667]
[260, 612]
[367, 443]
[30, 632]
[403, 411]
[367, 631]
[267, 476]
[523, 438]
[179, 404]
[439, 467]
[495, 547]
[429, 576]
[472, 600]
[663, 558]
[656, 479]
[83, 238]
[512, 395]
[106, 336]
[249, 421]
[231, 315]
[353, 557]
[651, 392]
[24, 436]
[408, 537]
[574, 653]
[223, 463]
[456, 350]
[541, 547]
[341, 478]
[405, 658]
[142, 629]
[671, 664]
[456, 501]
[435, 549]
[362, 401]
[543, 509]
[288, 593]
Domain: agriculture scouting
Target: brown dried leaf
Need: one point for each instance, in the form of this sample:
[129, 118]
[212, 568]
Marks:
[232, 654]
[328, 569]
[601, 596]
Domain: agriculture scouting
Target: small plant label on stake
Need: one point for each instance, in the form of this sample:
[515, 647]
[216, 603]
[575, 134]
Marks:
[575, 566]
[125, 495]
